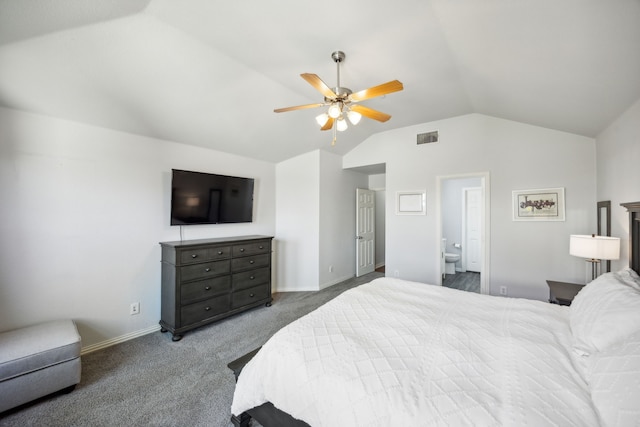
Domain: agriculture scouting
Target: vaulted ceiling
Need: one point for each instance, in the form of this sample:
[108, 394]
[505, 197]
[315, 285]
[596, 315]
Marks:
[210, 73]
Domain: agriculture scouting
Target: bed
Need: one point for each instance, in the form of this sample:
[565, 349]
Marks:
[394, 352]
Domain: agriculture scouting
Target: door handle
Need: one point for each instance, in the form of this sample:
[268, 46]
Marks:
[359, 237]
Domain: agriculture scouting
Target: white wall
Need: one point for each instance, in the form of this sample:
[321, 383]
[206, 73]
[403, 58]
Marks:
[82, 210]
[315, 221]
[618, 157]
[297, 222]
[337, 229]
[517, 156]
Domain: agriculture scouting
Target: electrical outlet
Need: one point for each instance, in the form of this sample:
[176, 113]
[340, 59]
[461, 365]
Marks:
[396, 273]
[331, 269]
[134, 308]
[503, 290]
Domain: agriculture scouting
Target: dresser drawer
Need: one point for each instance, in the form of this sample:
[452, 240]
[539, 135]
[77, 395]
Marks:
[195, 291]
[250, 295]
[251, 248]
[199, 311]
[204, 270]
[190, 256]
[251, 278]
[255, 261]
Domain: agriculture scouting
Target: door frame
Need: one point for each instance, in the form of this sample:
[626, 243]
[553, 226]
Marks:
[485, 185]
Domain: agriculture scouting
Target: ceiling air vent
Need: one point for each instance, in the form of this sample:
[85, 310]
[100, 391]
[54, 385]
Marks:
[428, 138]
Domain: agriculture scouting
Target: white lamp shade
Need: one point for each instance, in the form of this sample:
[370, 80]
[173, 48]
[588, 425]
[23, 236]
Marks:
[322, 119]
[341, 124]
[354, 117]
[594, 247]
[334, 110]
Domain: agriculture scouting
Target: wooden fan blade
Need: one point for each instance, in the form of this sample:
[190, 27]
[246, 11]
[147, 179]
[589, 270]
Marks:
[370, 113]
[320, 86]
[298, 107]
[328, 125]
[372, 92]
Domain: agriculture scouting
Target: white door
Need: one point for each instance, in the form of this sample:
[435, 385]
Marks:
[473, 230]
[365, 229]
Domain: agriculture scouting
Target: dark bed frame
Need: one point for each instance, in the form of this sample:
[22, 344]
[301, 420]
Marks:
[634, 234]
[270, 416]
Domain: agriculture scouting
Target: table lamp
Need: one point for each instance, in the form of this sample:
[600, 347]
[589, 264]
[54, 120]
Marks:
[594, 248]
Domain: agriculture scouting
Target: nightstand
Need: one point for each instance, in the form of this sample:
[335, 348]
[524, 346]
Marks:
[562, 292]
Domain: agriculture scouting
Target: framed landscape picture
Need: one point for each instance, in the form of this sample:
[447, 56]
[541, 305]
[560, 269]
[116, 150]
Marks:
[538, 205]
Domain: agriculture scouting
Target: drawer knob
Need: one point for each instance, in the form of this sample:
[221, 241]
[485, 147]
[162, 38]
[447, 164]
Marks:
[251, 295]
[207, 269]
[219, 252]
[207, 308]
[241, 249]
[207, 288]
[251, 262]
[252, 277]
[194, 255]
[260, 247]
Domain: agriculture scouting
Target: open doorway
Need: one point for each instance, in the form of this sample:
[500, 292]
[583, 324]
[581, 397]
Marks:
[376, 181]
[463, 231]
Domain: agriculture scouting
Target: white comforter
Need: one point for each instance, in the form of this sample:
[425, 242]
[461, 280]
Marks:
[393, 353]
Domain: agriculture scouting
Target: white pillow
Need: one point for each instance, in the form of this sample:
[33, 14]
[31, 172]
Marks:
[604, 313]
[614, 381]
[629, 277]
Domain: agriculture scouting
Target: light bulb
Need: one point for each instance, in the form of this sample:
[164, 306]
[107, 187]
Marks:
[335, 110]
[341, 124]
[322, 119]
[354, 117]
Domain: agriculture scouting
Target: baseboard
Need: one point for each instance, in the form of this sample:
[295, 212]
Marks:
[335, 282]
[320, 286]
[118, 340]
[277, 290]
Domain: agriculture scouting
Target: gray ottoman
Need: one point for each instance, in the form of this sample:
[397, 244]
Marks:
[38, 360]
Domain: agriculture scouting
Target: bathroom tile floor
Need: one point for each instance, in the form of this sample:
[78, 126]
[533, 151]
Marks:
[467, 281]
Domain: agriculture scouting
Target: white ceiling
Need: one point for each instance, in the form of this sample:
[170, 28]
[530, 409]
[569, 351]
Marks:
[210, 73]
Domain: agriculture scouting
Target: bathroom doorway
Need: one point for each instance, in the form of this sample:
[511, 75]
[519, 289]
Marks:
[463, 231]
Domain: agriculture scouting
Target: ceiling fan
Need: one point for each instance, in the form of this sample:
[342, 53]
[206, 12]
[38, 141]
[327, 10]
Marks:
[342, 102]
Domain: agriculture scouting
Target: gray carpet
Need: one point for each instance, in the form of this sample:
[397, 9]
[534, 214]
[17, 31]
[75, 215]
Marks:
[152, 381]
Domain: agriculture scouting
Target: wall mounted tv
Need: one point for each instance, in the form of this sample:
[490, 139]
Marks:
[204, 198]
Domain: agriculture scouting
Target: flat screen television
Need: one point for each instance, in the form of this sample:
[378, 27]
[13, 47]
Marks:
[205, 198]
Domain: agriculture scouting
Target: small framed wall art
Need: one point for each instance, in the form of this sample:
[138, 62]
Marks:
[538, 205]
[411, 202]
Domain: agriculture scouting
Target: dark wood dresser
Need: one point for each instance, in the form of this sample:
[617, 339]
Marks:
[209, 279]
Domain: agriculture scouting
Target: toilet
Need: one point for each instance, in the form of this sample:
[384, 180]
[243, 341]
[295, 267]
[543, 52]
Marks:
[450, 262]
[449, 259]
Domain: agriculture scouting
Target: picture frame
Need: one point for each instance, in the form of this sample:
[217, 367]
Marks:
[411, 202]
[544, 204]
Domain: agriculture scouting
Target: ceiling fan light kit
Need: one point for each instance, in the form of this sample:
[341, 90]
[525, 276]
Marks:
[335, 110]
[354, 117]
[342, 102]
[322, 119]
[341, 124]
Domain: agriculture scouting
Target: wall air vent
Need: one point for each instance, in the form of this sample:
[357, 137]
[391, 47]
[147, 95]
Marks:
[428, 138]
